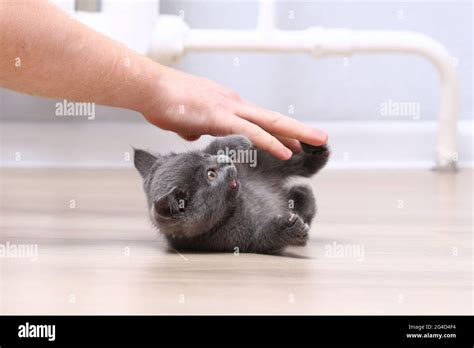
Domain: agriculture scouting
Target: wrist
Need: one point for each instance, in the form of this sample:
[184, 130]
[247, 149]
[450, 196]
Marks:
[136, 88]
[147, 86]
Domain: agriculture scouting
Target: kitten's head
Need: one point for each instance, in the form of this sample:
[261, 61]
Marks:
[187, 193]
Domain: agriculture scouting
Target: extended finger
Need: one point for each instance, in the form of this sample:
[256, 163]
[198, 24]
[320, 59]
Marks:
[276, 123]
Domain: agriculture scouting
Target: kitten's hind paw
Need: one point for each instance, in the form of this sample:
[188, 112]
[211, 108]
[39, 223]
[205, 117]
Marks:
[296, 230]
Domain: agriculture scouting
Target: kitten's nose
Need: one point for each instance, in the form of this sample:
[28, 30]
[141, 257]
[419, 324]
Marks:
[233, 184]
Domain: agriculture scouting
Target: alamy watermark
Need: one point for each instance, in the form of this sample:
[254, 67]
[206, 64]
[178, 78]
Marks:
[240, 156]
[20, 251]
[75, 109]
[396, 109]
[28, 330]
[345, 251]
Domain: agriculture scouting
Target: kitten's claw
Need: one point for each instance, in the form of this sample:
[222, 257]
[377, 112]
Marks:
[291, 219]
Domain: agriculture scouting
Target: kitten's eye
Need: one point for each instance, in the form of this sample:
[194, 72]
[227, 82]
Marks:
[211, 175]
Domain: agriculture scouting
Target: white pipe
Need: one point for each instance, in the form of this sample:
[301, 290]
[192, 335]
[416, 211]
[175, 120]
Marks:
[200, 40]
[173, 38]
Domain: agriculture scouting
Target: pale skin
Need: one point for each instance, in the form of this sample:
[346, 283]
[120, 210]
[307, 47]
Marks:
[45, 52]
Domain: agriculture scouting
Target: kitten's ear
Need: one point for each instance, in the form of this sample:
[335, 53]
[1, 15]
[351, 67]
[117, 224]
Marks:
[167, 206]
[143, 161]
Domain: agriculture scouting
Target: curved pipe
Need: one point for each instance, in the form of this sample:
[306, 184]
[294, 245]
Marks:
[172, 39]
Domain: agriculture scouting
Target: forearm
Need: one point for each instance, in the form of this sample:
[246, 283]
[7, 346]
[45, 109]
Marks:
[45, 52]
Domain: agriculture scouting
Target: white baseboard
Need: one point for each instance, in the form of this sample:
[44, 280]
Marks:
[89, 143]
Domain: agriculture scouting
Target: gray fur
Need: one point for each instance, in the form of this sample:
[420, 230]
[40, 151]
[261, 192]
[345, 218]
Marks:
[261, 215]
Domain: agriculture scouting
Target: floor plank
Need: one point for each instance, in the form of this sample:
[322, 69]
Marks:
[384, 242]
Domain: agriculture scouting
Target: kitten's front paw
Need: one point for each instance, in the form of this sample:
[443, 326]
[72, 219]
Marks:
[296, 230]
[238, 142]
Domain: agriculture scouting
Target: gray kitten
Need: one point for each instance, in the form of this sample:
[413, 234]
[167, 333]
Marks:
[204, 201]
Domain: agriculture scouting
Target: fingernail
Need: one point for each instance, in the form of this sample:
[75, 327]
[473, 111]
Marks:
[321, 136]
[287, 153]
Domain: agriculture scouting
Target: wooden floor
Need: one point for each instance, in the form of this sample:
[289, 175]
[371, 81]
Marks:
[384, 242]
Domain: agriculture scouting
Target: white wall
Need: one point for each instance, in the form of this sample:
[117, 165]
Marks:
[320, 92]
[328, 89]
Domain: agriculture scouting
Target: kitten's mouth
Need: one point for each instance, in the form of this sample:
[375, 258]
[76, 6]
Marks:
[234, 184]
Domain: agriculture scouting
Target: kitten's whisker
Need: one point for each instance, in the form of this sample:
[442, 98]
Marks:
[186, 143]
[184, 258]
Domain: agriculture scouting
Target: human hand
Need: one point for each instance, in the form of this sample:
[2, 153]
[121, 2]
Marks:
[109, 73]
[193, 106]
